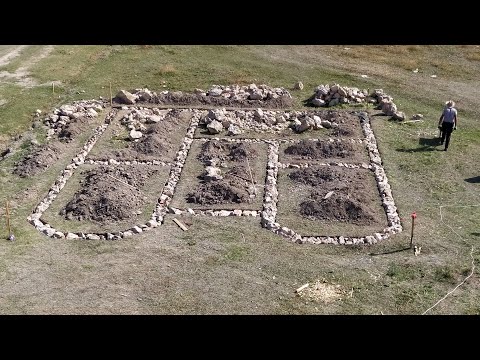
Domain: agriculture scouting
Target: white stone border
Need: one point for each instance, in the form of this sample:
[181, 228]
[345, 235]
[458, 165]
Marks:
[269, 210]
[393, 219]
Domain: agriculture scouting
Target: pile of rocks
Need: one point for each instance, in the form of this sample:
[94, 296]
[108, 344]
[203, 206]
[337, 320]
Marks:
[247, 92]
[136, 120]
[331, 95]
[59, 118]
[235, 122]
[230, 92]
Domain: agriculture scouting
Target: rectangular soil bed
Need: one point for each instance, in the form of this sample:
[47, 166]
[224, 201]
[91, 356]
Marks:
[99, 198]
[159, 140]
[229, 185]
[324, 151]
[330, 201]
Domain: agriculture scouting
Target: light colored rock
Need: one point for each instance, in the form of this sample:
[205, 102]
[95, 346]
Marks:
[152, 223]
[125, 97]
[92, 237]
[134, 134]
[215, 127]
[59, 235]
[234, 130]
[136, 230]
[48, 231]
[152, 119]
[304, 125]
[215, 91]
[255, 96]
[399, 115]
[318, 102]
[212, 173]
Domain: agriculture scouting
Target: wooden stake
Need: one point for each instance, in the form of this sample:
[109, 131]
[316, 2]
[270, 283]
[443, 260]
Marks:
[8, 220]
[304, 286]
[180, 224]
[123, 182]
[251, 178]
[53, 87]
[414, 215]
[111, 98]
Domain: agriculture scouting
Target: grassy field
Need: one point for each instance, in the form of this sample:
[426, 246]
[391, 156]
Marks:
[232, 265]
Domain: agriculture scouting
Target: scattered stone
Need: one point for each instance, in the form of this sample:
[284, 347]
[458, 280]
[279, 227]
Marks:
[298, 86]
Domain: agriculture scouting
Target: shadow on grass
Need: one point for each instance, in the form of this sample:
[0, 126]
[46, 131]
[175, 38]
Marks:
[473, 180]
[390, 252]
[427, 144]
[475, 234]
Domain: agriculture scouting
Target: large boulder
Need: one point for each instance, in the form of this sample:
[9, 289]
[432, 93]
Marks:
[215, 127]
[124, 97]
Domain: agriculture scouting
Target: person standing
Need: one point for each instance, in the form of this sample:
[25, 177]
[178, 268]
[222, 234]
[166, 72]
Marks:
[448, 122]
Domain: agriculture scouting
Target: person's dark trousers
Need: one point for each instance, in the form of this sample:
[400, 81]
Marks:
[447, 129]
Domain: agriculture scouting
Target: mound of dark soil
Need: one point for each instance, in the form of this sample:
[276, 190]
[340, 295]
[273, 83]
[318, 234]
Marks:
[316, 176]
[173, 98]
[157, 141]
[342, 131]
[309, 150]
[109, 194]
[39, 160]
[340, 206]
[219, 192]
[234, 188]
[224, 151]
[73, 128]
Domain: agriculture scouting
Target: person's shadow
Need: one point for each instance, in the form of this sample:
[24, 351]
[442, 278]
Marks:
[426, 144]
[473, 180]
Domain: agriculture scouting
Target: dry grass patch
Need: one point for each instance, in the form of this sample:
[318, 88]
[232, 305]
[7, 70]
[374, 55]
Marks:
[167, 69]
[323, 292]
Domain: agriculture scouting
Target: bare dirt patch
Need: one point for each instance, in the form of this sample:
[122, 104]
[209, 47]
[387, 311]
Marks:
[320, 150]
[337, 195]
[109, 194]
[39, 160]
[223, 151]
[75, 127]
[22, 75]
[5, 59]
[348, 123]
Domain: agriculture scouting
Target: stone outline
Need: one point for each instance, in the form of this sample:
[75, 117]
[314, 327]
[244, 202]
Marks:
[269, 209]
